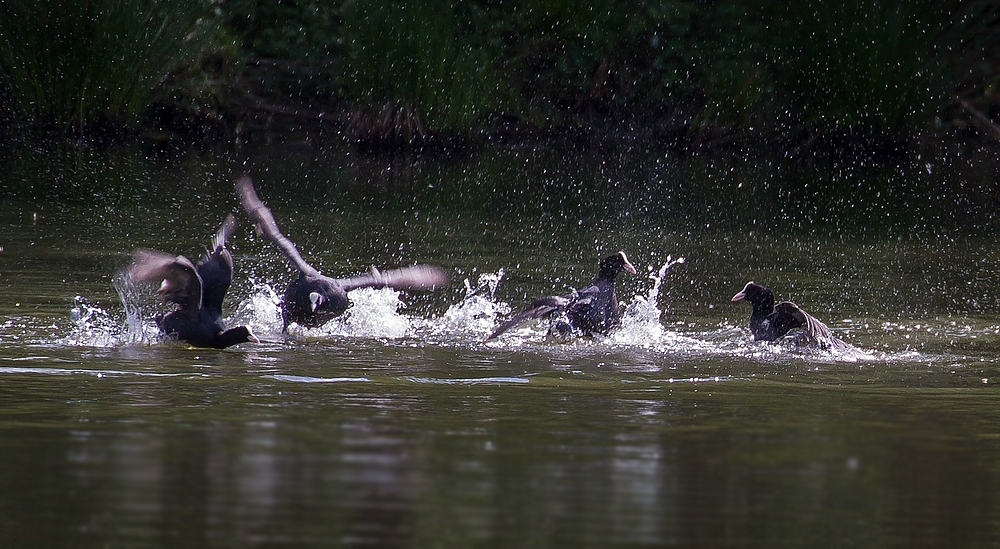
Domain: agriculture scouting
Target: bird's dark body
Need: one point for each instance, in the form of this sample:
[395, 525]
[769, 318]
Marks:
[777, 323]
[592, 310]
[767, 323]
[206, 331]
[216, 273]
[595, 309]
[770, 321]
[197, 290]
[300, 304]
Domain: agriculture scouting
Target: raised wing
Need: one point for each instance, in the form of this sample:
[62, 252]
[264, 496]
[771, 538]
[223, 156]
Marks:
[262, 217]
[813, 327]
[178, 278]
[419, 277]
[223, 235]
[216, 269]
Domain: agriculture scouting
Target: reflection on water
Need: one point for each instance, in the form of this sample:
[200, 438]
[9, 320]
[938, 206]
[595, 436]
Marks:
[399, 425]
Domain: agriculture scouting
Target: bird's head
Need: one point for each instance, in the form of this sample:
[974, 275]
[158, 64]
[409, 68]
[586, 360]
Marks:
[614, 264]
[755, 294]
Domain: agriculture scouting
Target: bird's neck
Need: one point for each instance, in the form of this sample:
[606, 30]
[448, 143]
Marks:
[605, 278]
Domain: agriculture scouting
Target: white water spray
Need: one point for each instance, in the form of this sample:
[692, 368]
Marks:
[476, 314]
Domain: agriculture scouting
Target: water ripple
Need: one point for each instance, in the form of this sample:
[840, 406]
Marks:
[470, 381]
[310, 379]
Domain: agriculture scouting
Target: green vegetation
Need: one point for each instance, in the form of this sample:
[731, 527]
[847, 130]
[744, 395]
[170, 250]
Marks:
[75, 65]
[405, 72]
[416, 68]
[867, 65]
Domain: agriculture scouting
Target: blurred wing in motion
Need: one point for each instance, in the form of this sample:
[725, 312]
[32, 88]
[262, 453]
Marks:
[417, 277]
[178, 278]
[265, 222]
[223, 235]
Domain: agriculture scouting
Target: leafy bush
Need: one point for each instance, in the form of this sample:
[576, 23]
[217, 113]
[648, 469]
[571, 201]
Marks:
[419, 67]
[72, 64]
[291, 48]
[863, 64]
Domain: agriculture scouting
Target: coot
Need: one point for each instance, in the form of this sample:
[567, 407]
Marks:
[312, 298]
[591, 310]
[198, 291]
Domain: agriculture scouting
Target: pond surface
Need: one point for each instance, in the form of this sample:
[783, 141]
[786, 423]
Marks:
[398, 425]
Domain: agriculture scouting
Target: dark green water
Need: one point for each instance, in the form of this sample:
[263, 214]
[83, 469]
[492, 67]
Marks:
[399, 426]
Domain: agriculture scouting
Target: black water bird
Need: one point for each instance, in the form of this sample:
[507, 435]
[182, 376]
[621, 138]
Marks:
[312, 299]
[198, 291]
[770, 321]
[591, 310]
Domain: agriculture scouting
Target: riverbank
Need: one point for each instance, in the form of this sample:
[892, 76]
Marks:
[422, 75]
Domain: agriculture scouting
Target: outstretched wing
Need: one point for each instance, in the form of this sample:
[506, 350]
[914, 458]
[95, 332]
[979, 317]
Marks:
[812, 327]
[541, 307]
[178, 278]
[262, 217]
[806, 321]
[418, 277]
[216, 269]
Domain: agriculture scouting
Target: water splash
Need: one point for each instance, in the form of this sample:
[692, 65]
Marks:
[377, 314]
[94, 326]
[812, 351]
[477, 313]
[374, 313]
[260, 311]
[641, 325]
[641, 320]
[798, 344]
[135, 302]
